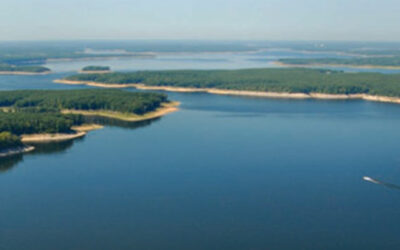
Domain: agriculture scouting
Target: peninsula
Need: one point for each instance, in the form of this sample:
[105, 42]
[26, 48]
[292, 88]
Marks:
[35, 116]
[269, 82]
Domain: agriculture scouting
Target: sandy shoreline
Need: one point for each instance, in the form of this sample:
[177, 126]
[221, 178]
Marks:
[24, 73]
[41, 138]
[283, 95]
[15, 151]
[87, 127]
[80, 131]
[163, 110]
[335, 65]
[94, 84]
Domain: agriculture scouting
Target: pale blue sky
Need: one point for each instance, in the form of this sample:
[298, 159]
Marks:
[200, 19]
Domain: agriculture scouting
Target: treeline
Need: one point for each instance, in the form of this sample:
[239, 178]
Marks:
[84, 99]
[30, 69]
[8, 140]
[292, 80]
[29, 122]
[96, 68]
[364, 61]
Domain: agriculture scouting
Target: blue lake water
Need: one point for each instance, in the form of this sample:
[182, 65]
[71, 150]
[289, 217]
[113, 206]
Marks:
[222, 173]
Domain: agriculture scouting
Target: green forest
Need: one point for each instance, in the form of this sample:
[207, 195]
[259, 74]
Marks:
[35, 122]
[83, 99]
[292, 80]
[360, 61]
[30, 69]
[96, 68]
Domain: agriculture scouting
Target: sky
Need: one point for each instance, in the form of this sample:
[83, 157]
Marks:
[355, 20]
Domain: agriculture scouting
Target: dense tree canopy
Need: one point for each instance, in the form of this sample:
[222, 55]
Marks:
[8, 140]
[29, 122]
[84, 99]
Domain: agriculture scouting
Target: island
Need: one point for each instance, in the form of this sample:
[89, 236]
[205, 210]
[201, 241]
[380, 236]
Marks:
[95, 69]
[37, 116]
[269, 82]
[386, 62]
[7, 69]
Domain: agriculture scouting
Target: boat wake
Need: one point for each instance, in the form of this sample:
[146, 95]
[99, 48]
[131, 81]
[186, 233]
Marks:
[389, 185]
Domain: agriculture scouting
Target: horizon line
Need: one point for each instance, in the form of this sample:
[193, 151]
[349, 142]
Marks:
[198, 40]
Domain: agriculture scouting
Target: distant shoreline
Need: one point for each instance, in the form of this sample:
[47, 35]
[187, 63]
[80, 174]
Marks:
[24, 73]
[282, 95]
[335, 65]
[97, 58]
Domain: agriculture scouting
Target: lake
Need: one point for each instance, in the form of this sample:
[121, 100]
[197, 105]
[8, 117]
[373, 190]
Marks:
[221, 173]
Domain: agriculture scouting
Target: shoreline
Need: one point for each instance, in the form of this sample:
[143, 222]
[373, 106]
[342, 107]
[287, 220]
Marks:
[280, 95]
[94, 84]
[80, 131]
[45, 138]
[15, 151]
[24, 73]
[164, 109]
[335, 65]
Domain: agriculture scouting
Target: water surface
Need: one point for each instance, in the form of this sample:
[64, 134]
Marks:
[222, 173]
